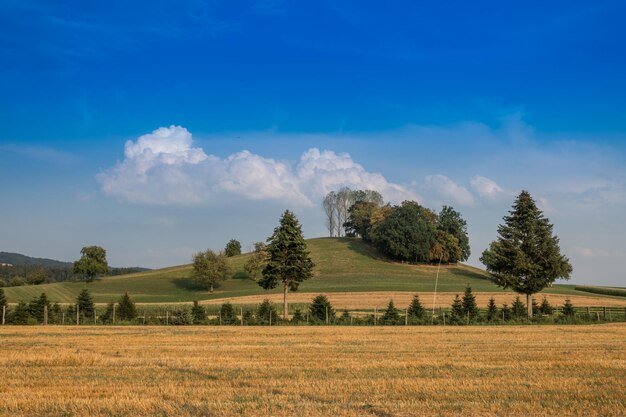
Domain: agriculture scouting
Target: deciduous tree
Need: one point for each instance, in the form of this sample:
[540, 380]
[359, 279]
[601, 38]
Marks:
[233, 248]
[209, 269]
[92, 263]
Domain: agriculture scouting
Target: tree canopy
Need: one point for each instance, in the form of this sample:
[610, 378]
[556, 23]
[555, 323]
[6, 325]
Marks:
[209, 269]
[526, 256]
[233, 248]
[288, 261]
[92, 263]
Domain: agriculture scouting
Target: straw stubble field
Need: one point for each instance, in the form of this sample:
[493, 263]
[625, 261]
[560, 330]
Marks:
[306, 371]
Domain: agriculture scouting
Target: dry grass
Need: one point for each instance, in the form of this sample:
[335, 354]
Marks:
[312, 371]
[370, 300]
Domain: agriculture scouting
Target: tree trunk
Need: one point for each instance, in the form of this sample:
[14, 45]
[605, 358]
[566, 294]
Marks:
[285, 305]
[211, 289]
[529, 305]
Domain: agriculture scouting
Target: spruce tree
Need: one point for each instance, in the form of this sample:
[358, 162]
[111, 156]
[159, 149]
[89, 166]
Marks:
[248, 317]
[320, 307]
[265, 312]
[535, 307]
[86, 307]
[297, 316]
[198, 313]
[518, 308]
[390, 315]
[470, 309]
[545, 307]
[37, 306]
[20, 313]
[126, 310]
[492, 309]
[288, 261]
[568, 309]
[107, 316]
[227, 314]
[457, 308]
[526, 257]
[416, 310]
[506, 312]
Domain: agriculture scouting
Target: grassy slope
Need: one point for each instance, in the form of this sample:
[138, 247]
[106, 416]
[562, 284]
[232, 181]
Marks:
[341, 265]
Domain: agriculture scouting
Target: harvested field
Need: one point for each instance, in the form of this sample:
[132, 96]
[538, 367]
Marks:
[311, 371]
[370, 300]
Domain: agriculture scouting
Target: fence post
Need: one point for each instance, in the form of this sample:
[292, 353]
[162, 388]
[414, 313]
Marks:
[604, 311]
[326, 314]
[114, 313]
[406, 316]
[270, 317]
[444, 318]
[4, 314]
[241, 311]
[144, 317]
[375, 315]
[77, 315]
[219, 314]
[95, 317]
[45, 315]
[167, 317]
[588, 310]
[63, 317]
[307, 317]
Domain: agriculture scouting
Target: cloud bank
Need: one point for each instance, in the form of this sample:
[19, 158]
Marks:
[164, 167]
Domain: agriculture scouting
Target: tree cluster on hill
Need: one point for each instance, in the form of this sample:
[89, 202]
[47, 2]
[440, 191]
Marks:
[409, 232]
[337, 203]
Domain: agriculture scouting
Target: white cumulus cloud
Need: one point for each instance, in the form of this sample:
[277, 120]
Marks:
[450, 190]
[163, 167]
[485, 187]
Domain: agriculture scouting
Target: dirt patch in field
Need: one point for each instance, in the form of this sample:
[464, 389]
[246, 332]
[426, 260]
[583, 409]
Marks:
[370, 300]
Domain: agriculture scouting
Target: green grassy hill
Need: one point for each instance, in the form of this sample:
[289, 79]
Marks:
[341, 265]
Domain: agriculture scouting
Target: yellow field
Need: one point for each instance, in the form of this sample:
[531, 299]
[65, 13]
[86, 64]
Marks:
[370, 300]
[311, 371]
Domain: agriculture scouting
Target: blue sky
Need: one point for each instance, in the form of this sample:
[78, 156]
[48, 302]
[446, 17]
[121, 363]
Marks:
[448, 103]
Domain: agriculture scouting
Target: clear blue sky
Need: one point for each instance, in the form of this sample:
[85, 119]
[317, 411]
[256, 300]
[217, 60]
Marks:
[448, 103]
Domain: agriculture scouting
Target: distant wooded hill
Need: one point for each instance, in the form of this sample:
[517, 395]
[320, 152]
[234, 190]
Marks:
[24, 267]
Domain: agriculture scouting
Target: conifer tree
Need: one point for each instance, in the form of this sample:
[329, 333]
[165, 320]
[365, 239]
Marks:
[391, 315]
[492, 309]
[320, 307]
[470, 309]
[545, 307]
[518, 308]
[297, 316]
[198, 313]
[227, 314]
[416, 309]
[506, 312]
[526, 257]
[36, 307]
[126, 310]
[20, 313]
[568, 309]
[457, 308]
[288, 261]
[535, 307]
[107, 316]
[248, 317]
[86, 307]
[266, 311]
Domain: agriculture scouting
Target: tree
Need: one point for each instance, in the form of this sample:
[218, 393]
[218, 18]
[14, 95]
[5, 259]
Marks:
[20, 313]
[545, 307]
[415, 308]
[445, 249]
[36, 276]
[320, 309]
[227, 314]
[297, 316]
[407, 233]
[568, 309]
[198, 313]
[518, 308]
[288, 261]
[506, 312]
[233, 248]
[492, 309]
[126, 311]
[256, 262]
[457, 309]
[266, 313]
[107, 316]
[209, 269]
[526, 256]
[37, 307]
[451, 222]
[92, 263]
[470, 309]
[3, 300]
[391, 315]
[359, 220]
[330, 209]
[86, 307]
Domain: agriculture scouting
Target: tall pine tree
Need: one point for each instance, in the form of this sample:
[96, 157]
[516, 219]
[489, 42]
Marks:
[470, 309]
[526, 256]
[86, 307]
[415, 308]
[492, 309]
[288, 261]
